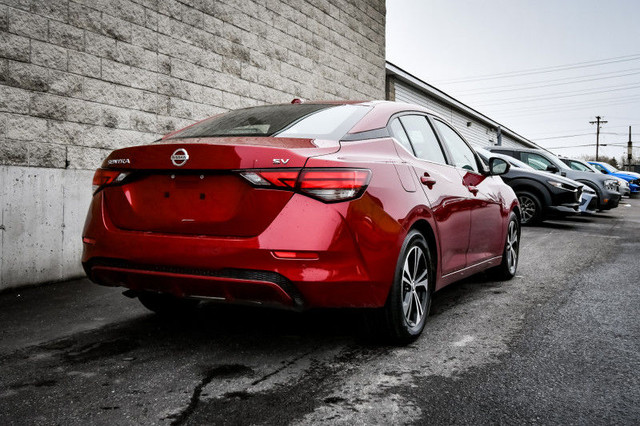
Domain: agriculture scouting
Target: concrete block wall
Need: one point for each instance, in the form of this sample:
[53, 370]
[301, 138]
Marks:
[79, 78]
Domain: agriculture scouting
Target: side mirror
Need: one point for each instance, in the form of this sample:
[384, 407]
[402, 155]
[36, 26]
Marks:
[553, 169]
[497, 166]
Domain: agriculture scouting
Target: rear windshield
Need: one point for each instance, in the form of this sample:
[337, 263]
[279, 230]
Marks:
[308, 121]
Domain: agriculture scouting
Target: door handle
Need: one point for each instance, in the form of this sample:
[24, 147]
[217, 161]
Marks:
[427, 180]
[472, 189]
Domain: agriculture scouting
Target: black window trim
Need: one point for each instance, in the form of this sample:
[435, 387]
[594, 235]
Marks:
[479, 164]
[380, 133]
[445, 151]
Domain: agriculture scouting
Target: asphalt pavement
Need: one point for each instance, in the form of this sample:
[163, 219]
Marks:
[559, 344]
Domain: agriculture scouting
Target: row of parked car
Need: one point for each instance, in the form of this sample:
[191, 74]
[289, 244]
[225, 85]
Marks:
[547, 185]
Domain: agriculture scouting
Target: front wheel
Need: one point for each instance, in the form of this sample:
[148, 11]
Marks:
[509, 265]
[530, 208]
[404, 316]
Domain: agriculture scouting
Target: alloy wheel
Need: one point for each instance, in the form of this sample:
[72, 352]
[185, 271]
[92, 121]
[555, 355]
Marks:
[512, 247]
[415, 286]
[527, 208]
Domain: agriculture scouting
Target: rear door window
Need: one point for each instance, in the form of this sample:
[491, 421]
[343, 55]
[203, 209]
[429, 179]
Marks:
[579, 166]
[397, 131]
[423, 139]
[536, 161]
[462, 155]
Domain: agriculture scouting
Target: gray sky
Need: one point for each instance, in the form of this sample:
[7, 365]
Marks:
[447, 43]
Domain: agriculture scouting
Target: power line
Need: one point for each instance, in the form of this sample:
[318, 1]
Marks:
[575, 136]
[562, 137]
[573, 106]
[570, 79]
[572, 146]
[548, 111]
[579, 130]
[573, 81]
[569, 94]
[543, 70]
[594, 102]
[591, 144]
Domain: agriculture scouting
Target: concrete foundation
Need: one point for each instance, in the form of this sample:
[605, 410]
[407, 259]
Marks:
[42, 214]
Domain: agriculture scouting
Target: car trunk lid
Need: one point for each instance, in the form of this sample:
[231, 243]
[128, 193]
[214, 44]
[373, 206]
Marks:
[192, 186]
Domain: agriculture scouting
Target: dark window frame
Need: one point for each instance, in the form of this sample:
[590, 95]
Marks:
[479, 164]
[445, 152]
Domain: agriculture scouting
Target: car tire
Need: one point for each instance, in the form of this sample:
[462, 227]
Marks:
[167, 305]
[404, 315]
[530, 207]
[511, 252]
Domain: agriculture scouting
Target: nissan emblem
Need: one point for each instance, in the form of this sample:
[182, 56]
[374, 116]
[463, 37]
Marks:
[179, 157]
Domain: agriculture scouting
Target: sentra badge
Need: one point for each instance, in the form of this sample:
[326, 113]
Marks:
[179, 157]
[119, 161]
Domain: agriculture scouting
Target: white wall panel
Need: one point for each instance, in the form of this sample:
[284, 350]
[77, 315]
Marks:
[477, 134]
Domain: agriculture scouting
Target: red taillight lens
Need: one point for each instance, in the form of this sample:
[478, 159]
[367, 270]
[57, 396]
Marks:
[104, 177]
[328, 185]
[280, 178]
[332, 185]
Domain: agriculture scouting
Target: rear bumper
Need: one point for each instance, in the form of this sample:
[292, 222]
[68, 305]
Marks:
[245, 270]
[237, 286]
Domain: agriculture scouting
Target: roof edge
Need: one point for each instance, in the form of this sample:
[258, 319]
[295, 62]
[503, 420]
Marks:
[406, 77]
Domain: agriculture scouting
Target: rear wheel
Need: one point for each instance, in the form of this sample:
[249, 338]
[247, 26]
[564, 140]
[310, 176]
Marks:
[530, 207]
[166, 304]
[509, 265]
[404, 316]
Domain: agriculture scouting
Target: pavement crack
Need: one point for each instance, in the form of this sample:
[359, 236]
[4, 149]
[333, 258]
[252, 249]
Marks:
[233, 370]
[285, 366]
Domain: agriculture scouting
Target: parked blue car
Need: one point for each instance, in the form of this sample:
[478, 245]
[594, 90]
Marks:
[608, 169]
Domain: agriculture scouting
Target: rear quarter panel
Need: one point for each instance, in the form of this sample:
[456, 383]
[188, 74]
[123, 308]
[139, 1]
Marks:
[381, 218]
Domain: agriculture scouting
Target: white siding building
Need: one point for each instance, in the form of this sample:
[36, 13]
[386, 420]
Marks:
[477, 128]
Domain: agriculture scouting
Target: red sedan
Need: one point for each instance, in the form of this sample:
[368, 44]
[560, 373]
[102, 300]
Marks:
[349, 204]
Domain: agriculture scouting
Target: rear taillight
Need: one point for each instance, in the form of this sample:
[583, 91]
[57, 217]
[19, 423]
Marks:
[105, 177]
[328, 185]
[333, 184]
[279, 178]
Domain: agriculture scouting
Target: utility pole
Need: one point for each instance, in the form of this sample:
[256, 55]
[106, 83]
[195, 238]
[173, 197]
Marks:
[629, 150]
[598, 122]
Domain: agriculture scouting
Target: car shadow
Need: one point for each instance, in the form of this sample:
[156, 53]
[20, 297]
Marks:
[465, 290]
[239, 327]
[552, 225]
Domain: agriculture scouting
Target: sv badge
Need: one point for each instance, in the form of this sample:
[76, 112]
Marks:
[280, 161]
